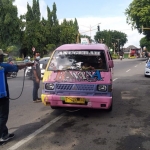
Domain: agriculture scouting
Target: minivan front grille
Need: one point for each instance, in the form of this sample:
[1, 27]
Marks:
[75, 87]
[67, 87]
[85, 87]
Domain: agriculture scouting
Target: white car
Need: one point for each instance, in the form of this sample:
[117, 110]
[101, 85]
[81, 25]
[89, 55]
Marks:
[42, 70]
[147, 69]
[43, 63]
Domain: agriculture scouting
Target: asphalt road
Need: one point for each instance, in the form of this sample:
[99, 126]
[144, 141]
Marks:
[127, 127]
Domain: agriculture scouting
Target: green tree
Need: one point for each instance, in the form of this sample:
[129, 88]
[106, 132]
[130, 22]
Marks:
[49, 16]
[52, 26]
[144, 42]
[49, 48]
[9, 24]
[48, 26]
[12, 50]
[29, 27]
[138, 15]
[111, 38]
[76, 26]
[36, 10]
[54, 15]
[69, 31]
[55, 31]
[33, 31]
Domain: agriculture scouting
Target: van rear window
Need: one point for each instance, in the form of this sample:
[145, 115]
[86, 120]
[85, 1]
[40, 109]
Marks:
[78, 60]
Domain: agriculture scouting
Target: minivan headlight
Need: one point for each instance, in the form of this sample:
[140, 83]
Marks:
[49, 86]
[102, 88]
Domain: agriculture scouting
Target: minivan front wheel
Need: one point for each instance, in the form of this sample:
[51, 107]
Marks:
[54, 107]
[110, 108]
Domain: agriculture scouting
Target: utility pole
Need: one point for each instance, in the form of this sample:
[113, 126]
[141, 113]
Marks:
[118, 45]
[114, 47]
[78, 38]
[90, 29]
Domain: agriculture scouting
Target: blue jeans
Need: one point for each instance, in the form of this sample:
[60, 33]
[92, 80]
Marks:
[4, 112]
[35, 90]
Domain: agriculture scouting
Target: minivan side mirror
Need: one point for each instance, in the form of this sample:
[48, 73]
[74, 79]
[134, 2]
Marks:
[111, 64]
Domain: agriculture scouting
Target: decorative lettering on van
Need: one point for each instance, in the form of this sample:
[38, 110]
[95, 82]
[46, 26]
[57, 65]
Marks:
[68, 76]
[90, 53]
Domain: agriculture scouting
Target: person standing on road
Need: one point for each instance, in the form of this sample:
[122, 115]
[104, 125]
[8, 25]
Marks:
[4, 101]
[36, 76]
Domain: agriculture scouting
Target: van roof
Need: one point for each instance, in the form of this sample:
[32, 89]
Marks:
[83, 47]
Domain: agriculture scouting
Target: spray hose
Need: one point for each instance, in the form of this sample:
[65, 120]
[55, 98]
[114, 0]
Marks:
[3, 92]
[21, 89]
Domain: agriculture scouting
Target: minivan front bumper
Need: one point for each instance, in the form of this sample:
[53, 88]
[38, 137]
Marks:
[95, 102]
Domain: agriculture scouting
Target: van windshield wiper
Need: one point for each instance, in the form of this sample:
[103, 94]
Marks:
[73, 69]
[68, 69]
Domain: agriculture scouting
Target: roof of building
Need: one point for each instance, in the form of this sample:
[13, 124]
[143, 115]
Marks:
[130, 47]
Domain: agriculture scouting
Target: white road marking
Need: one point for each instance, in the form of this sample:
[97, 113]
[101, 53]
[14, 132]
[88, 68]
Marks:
[23, 141]
[115, 79]
[135, 66]
[128, 70]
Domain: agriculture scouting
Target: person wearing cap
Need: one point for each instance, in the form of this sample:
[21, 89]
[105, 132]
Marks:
[4, 101]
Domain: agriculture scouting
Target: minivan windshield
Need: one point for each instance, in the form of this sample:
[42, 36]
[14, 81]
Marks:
[78, 60]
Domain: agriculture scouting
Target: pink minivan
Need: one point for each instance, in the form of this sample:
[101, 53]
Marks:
[79, 76]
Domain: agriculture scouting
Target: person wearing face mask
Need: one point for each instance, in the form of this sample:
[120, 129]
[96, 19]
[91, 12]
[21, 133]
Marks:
[4, 101]
[36, 76]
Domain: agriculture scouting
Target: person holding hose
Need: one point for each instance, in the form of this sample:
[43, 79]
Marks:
[4, 101]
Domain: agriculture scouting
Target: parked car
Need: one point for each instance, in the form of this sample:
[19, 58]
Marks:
[147, 68]
[43, 63]
[28, 72]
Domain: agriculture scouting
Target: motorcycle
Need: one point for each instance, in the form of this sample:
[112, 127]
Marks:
[28, 72]
[12, 74]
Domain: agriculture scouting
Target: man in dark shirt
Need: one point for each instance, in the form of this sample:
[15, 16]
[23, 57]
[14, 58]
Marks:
[4, 101]
[36, 76]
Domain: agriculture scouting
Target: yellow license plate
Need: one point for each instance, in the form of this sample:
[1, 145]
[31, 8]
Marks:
[74, 100]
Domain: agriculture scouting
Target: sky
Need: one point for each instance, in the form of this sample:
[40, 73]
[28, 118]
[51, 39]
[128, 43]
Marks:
[110, 15]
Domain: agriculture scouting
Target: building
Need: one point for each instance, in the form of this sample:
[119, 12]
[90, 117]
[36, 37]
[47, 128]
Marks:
[133, 51]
